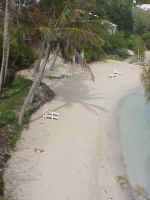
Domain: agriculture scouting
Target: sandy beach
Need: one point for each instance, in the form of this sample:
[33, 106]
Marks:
[75, 157]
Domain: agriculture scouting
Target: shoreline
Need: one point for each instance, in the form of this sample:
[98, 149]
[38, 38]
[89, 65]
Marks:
[76, 148]
[119, 164]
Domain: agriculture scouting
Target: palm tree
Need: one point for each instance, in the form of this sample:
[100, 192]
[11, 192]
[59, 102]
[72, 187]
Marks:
[5, 47]
[69, 28]
[34, 86]
[40, 55]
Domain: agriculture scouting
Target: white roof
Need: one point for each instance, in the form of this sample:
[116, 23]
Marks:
[144, 6]
[108, 22]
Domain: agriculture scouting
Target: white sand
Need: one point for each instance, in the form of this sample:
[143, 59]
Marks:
[76, 162]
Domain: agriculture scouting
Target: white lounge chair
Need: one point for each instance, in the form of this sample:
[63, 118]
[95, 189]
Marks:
[115, 71]
[112, 75]
[50, 115]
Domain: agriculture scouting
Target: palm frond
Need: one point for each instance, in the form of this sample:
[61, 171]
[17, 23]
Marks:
[46, 32]
[65, 15]
[81, 35]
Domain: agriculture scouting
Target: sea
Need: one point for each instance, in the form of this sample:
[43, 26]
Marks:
[134, 128]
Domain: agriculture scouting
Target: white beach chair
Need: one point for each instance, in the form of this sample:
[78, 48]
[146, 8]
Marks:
[112, 75]
[50, 115]
[115, 74]
[115, 71]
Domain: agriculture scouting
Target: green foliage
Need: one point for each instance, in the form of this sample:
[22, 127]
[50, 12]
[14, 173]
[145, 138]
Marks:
[122, 53]
[115, 43]
[136, 43]
[93, 54]
[10, 104]
[21, 55]
[115, 57]
[146, 38]
[120, 13]
[9, 78]
[141, 21]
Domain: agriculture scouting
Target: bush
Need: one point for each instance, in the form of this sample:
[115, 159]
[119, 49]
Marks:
[116, 44]
[10, 104]
[136, 43]
[93, 54]
[122, 53]
[21, 55]
[141, 21]
[146, 38]
[9, 78]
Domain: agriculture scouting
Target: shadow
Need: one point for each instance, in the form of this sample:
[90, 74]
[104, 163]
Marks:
[77, 90]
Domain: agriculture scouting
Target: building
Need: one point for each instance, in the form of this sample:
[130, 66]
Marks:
[145, 7]
[111, 28]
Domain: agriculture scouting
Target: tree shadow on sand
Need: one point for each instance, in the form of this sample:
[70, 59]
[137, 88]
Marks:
[77, 90]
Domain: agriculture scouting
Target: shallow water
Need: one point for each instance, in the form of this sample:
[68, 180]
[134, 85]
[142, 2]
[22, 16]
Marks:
[134, 125]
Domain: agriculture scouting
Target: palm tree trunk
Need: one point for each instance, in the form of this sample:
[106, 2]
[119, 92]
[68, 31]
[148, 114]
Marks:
[7, 60]
[38, 62]
[33, 88]
[55, 58]
[5, 47]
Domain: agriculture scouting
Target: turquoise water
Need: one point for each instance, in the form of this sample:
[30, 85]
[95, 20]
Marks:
[134, 125]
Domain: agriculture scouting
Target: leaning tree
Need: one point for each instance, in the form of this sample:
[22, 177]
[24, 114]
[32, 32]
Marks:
[67, 28]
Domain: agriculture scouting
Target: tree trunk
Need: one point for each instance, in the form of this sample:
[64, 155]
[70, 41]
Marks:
[55, 58]
[47, 53]
[33, 88]
[38, 62]
[5, 47]
[7, 60]
[38, 68]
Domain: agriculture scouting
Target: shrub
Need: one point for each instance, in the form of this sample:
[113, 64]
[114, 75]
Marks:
[9, 78]
[122, 53]
[116, 44]
[21, 55]
[146, 38]
[136, 43]
[93, 54]
[10, 104]
[141, 21]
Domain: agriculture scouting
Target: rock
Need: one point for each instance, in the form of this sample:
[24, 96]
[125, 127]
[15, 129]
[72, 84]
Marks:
[42, 95]
[130, 52]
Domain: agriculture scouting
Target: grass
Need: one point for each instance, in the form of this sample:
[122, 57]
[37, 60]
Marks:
[10, 131]
[3, 198]
[10, 104]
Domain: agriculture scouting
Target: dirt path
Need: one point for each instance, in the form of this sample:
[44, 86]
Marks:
[73, 162]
